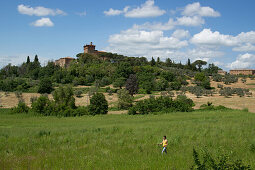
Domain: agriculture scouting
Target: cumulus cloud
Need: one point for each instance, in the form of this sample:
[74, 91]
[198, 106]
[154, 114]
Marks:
[39, 11]
[190, 21]
[180, 34]
[245, 48]
[43, 22]
[144, 43]
[113, 12]
[196, 9]
[243, 62]
[148, 9]
[209, 38]
[171, 24]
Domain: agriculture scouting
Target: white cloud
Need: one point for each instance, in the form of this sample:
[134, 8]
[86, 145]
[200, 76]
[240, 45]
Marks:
[39, 11]
[179, 34]
[190, 21]
[43, 22]
[134, 42]
[148, 9]
[245, 47]
[209, 38]
[113, 12]
[243, 61]
[247, 37]
[196, 9]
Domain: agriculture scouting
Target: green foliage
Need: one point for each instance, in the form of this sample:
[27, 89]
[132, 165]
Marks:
[132, 84]
[45, 86]
[98, 104]
[202, 80]
[162, 103]
[41, 105]
[21, 108]
[63, 97]
[223, 162]
[119, 82]
[125, 100]
[175, 85]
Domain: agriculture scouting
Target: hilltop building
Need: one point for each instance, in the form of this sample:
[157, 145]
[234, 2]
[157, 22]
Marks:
[88, 49]
[242, 71]
[222, 72]
[64, 62]
[91, 49]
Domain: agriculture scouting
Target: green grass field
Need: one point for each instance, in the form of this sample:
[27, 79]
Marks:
[123, 141]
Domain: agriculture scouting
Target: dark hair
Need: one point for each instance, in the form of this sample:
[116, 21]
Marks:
[164, 136]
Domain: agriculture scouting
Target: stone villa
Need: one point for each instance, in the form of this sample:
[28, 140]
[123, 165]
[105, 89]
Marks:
[64, 62]
[88, 49]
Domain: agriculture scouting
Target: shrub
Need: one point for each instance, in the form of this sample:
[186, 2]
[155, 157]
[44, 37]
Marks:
[162, 103]
[202, 80]
[175, 85]
[98, 104]
[125, 100]
[78, 93]
[63, 96]
[21, 108]
[142, 91]
[223, 162]
[41, 105]
[45, 86]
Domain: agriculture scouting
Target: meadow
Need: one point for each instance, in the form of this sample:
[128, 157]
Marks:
[123, 141]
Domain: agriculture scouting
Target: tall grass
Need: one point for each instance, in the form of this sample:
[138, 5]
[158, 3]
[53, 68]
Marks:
[123, 141]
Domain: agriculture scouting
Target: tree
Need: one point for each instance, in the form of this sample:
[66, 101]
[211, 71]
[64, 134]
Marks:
[158, 61]
[125, 100]
[153, 62]
[132, 84]
[64, 96]
[168, 62]
[199, 64]
[28, 60]
[45, 86]
[202, 80]
[119, 82]
[98, 104]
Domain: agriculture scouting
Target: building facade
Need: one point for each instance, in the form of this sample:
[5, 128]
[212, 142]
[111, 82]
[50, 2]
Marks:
[222, 72]
[242, 71]
[64, 62]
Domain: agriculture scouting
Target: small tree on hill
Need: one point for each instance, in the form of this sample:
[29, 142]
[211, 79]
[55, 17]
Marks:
[98, 104]
[45, 86]
[125, 100]
[132, 84]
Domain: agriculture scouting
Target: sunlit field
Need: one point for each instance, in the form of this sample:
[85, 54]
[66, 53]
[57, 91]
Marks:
[123, 141]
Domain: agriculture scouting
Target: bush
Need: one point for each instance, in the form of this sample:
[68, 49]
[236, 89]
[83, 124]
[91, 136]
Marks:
[223, 162]
[98, 104]
[78, 93]
[125, 100]
[41, 105]
[142, 91]
[202, 80]
[163, 103]
[21, 108]
[45, 86]
[175, 85]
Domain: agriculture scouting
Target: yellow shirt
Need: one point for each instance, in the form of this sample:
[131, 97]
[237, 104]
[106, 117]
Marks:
[164, 143]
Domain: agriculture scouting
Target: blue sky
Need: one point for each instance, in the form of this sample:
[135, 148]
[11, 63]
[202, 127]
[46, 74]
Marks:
[220, 32]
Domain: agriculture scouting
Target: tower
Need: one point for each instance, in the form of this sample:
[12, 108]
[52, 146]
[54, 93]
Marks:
[89, 48]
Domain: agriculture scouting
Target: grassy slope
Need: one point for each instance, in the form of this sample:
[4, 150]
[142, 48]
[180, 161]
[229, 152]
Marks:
[122, 141]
